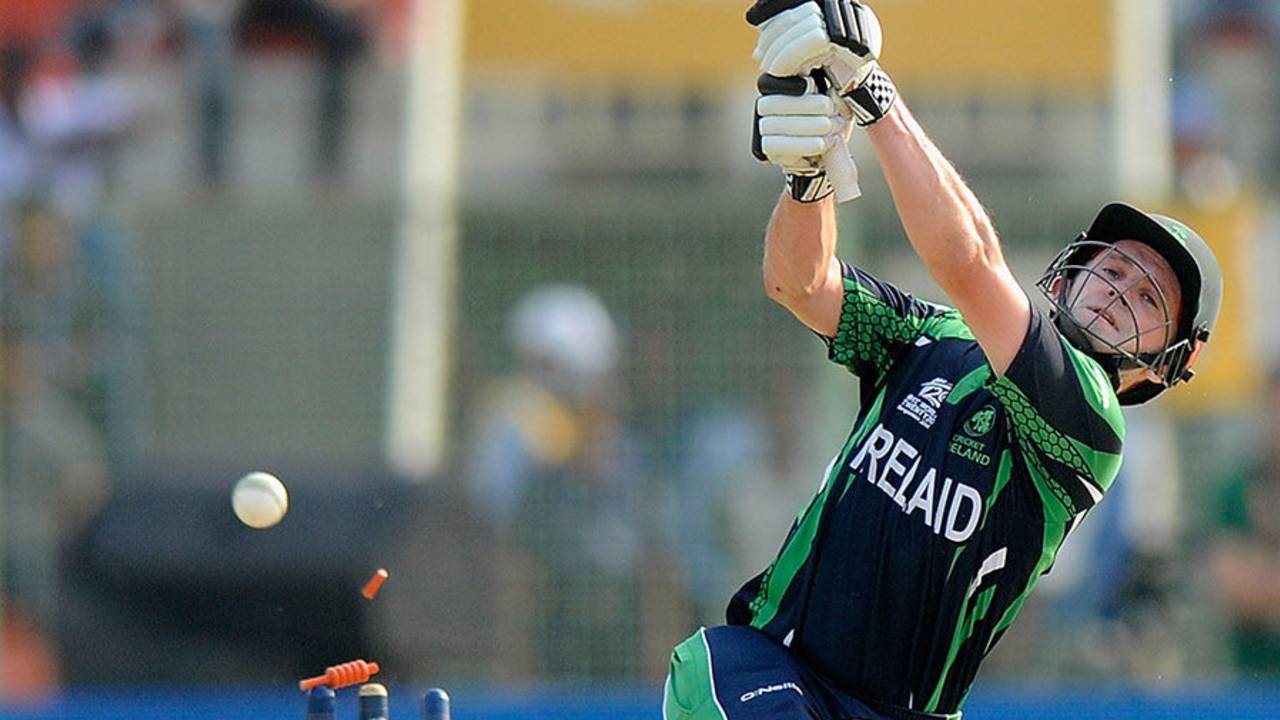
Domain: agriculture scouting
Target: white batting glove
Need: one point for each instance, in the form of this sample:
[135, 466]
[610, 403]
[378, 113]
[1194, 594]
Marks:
[796, 124]
[842, 37]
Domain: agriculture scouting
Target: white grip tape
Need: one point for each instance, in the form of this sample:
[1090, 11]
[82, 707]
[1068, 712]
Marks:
[842, 172]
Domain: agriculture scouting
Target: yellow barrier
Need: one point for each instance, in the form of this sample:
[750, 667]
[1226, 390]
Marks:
[1228, 375]
[990, 44]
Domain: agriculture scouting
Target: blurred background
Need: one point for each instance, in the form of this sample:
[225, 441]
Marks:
[480, 283]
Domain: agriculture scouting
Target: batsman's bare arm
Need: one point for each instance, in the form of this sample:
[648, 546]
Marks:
[801, 271]
[945, 223]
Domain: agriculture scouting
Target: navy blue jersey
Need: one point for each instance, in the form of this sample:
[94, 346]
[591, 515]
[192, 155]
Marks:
[948, 501]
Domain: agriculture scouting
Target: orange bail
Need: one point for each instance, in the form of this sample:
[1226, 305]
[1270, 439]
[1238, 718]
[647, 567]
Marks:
[337, 676]
[371, 588]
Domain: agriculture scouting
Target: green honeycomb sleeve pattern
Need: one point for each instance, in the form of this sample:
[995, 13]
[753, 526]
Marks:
[1036, 435]
[866, 328]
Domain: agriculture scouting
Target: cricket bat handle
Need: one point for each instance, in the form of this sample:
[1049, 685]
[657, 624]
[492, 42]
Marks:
[842, 172]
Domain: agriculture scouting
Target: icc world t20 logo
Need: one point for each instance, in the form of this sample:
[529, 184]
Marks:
[981, 422]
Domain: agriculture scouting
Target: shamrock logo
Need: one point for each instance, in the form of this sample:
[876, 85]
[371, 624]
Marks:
[981, 422]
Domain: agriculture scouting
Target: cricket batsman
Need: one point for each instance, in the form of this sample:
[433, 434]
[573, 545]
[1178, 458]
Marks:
[986, 429]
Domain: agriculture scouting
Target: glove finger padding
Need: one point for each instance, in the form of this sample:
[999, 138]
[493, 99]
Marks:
[797, 44]
[796, 124]
[800, 127]
[778, 106]
[791, 84]
[771, 33]
[868, 91]
[794, 153]
[764, 10]
[841, 36]
[854, 26]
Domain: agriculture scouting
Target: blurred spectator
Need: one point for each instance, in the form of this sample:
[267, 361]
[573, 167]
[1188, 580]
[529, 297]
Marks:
[739, 485]
[1246, 555]
[28, 662]
[330, 28]
[17, 155]
[29, 22]
[56, 300]
[566, 346]
[1225, 97]
[210, 50]
[77, 118]
[726, 457]
[71, 279]
[1108, 608]
[55, 479]
[560, 479]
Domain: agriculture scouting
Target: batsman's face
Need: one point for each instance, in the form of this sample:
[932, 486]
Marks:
[1129, 298]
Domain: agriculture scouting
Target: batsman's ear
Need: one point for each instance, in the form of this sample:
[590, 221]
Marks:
[765, 9]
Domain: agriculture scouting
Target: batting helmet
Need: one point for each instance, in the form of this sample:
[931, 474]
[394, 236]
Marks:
[1198, 275]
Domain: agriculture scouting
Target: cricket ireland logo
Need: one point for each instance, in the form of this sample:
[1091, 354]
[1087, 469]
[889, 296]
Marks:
[981, 422]
[966, 444]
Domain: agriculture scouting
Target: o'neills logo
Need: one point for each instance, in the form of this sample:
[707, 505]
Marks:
[752, 695]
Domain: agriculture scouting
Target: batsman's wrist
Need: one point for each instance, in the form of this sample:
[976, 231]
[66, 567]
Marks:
[808, 188]
[872, 97]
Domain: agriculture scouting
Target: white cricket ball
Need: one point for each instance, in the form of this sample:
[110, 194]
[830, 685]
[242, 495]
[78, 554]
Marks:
[259, 500]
